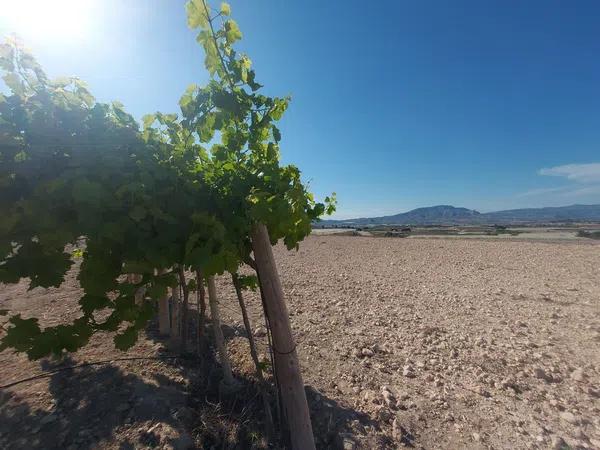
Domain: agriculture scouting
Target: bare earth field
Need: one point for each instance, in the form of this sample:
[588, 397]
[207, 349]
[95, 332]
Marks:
[429, 343]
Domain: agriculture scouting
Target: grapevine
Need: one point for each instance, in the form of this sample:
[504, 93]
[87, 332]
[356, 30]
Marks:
[81, 181]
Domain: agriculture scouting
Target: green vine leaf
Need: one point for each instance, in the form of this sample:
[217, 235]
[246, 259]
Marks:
[196, 14]
[232, 31]
[225, 9]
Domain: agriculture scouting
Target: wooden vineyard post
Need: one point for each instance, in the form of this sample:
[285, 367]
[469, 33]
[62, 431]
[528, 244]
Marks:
[164, 324]
[164, 321]
[175, 318]
[201, 309]
[219, 340]
[287, 366]
[184, 310]
[135, 278]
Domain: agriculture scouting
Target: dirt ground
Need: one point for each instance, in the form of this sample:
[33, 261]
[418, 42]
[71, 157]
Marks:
[424, 343]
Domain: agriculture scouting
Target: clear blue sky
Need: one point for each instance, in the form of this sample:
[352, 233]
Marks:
[396, 104]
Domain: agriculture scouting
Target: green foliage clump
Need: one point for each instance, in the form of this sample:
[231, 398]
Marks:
[81, 179]
[589, 234]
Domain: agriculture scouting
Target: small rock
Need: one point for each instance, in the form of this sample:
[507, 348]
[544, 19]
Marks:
[541, 374]
[579, 434]
[389, 399]
[384, 414]
[569, 417]
[476, 437]
[593, 392]
[577, 375]
[149, 437]
[396, 431]
[407, 371]
[369, 396]
[260, 332]
[558, 443]
[345, 441]
[367, 352]
[481, 391]
[508, 383]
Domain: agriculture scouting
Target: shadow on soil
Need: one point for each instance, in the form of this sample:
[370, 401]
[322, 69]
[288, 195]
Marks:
[168, 404]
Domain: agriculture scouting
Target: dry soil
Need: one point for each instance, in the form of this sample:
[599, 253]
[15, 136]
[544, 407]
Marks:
[430, 343]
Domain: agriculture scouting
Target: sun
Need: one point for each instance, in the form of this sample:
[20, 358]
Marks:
[52, 21]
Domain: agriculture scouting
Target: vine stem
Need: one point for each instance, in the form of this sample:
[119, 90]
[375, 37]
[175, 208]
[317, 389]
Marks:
[259, 374]
[214, 38]
[270, 342]
[218, 333]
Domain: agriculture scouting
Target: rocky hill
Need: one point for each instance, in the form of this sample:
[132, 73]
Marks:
[450, 215]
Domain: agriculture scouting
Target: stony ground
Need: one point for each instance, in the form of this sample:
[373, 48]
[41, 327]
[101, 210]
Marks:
[430, 343]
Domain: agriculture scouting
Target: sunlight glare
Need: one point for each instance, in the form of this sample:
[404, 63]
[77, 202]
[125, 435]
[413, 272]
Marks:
[48, 20]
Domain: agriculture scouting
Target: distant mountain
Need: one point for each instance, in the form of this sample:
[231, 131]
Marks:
[430, 215]
[550, 214]
[450, 215]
